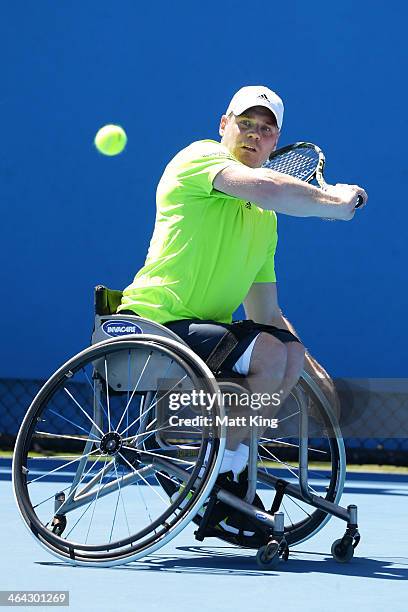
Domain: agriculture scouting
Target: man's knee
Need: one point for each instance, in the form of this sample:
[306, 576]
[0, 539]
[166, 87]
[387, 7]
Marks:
[295, 355]
[294, 364]
[269, 357]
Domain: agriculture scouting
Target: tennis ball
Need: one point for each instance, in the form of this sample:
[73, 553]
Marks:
[110, 139]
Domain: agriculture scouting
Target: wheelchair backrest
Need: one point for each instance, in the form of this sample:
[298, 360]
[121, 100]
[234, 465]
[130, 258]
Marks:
[124, 368]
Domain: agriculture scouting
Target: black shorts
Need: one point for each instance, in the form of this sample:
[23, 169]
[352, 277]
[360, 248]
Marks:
[203, 336]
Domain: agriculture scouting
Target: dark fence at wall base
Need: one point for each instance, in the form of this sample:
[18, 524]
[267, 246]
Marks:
[373, 420]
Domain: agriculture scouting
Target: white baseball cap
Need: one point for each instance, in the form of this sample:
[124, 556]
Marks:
[256, 95]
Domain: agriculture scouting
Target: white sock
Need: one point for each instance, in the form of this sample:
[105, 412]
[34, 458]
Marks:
[240, 460]
[226, 461]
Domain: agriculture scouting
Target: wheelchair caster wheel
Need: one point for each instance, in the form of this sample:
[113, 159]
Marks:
[268, 556]
[342, 552]
[58, 524]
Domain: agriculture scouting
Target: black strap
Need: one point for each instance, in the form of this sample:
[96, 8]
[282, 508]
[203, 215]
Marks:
[230, 340]
[220, 353]
[244, 327]
[280, 487]
[200, 533]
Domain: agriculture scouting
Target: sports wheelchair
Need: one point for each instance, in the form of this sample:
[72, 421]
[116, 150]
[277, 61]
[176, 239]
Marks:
[102, 476]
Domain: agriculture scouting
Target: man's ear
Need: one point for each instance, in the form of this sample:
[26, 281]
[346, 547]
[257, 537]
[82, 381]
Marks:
[223, 123]
[276, 143]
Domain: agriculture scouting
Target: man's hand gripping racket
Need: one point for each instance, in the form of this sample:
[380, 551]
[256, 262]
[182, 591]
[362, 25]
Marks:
[305, 161]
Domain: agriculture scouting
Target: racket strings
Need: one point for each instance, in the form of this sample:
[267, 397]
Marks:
[299, 163]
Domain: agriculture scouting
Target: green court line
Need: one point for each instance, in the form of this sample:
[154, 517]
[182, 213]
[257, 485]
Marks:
[366, 467]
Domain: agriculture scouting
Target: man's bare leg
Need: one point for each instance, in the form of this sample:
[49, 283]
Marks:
[267, 371]
[294, 367]
[288, 365]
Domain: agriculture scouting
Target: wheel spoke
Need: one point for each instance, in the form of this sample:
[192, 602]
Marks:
[311, 472]
[121, 496]
[145, 452]
[125, 412]
[91, 504]
[115, 512]
[289, 416]
[107, 394]
[153, 405]
[57, 469]
[288, 497]
[290, 468]
[68, 487]
[140, 493]
[50, 457]
[280, 441]
[89, 433]
[46, 434]
[94, 392]
[144, 479]
[84, 411]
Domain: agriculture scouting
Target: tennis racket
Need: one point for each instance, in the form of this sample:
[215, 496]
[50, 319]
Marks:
[302, 160]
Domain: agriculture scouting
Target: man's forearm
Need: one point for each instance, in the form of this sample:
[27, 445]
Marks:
[288, 195]
[279, 192]
[291, 196]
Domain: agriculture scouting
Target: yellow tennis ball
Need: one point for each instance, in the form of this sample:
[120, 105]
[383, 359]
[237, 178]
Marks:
[110, 139]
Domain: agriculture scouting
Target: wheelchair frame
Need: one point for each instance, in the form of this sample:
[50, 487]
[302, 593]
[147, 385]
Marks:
[194, 494]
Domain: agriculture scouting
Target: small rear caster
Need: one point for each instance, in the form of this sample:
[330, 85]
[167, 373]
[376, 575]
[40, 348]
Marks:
[342, 550]
[269, 555]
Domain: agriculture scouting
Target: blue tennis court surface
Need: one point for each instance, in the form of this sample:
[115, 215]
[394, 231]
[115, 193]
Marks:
[211, 575]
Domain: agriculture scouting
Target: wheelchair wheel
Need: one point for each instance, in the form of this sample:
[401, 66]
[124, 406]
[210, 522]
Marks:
[278, 462]
[98, 442]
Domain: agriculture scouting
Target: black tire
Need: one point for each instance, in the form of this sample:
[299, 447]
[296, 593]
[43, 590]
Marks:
[342, 553]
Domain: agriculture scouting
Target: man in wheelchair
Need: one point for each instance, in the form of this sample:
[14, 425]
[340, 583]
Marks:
[213, 248]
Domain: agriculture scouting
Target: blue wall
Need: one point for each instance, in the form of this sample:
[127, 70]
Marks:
[165, 71]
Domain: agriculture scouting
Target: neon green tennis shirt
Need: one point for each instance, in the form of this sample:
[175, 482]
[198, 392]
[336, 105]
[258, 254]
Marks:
[207, 247]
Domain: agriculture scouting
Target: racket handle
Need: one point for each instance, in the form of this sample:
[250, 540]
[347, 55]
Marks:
[359, 202]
